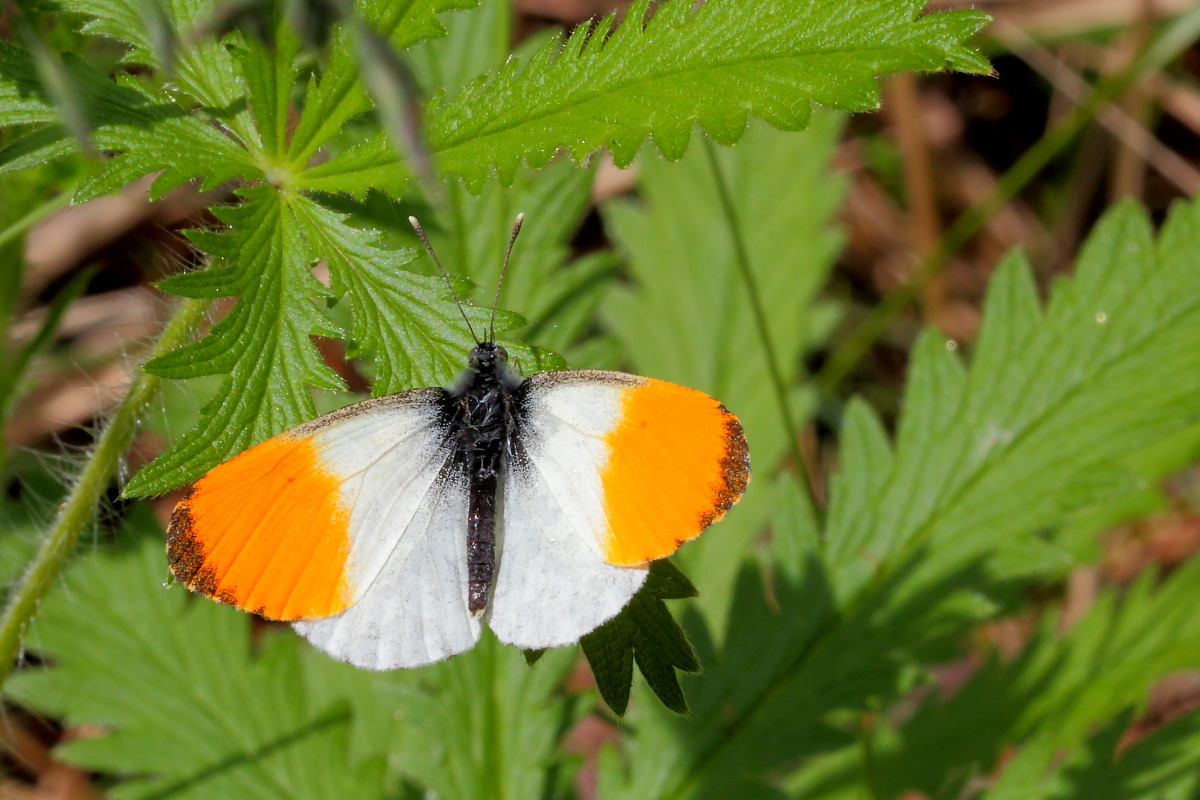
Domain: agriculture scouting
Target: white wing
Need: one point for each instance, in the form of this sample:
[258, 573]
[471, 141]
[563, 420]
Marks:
[408, 558]
[415, 611]
[552, 582]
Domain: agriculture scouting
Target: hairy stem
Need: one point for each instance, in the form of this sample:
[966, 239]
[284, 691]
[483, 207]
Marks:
[80, 504]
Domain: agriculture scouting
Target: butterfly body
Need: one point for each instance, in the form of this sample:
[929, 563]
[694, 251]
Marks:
[482, 411]
[391, 531]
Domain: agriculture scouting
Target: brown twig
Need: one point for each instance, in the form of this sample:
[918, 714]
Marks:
[924, 228]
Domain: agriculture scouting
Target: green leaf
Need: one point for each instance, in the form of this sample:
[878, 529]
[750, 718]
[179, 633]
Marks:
[187, 710]
[339, 94]
[686, 315]
[486, 724]
[1162, 766]
[475, 42]
[204, 71]
[148, 130]
[644, 632]
[415, 336]
[612, 86]
[557, 297]
[23, 101]
[248, 95]
[368, 164]
[1050, 699]
[269, 73]
[982, 463]
[262, 343]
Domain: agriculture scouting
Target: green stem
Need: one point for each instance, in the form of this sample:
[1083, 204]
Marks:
[778, 385]
[1177, 37]
[80, 505]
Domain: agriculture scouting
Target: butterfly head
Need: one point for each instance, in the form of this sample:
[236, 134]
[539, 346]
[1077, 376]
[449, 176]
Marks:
[488, 357]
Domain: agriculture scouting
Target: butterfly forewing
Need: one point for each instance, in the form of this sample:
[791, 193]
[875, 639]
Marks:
[608, 471]
[328, 517]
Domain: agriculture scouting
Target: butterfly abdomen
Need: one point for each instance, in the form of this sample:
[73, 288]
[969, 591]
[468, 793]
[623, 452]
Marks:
[480, 416]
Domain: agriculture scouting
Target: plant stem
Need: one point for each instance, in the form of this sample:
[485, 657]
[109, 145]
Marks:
[80, 505]
[778, 385]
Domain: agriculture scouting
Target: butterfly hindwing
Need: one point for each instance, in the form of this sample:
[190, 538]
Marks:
[608, 472]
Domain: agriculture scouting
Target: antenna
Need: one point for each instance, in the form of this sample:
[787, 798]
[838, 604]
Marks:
[425, 241]
[507, 254]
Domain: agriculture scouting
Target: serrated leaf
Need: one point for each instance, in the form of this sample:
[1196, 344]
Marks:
[269, 73]
[205, 70]
[149, 131]
[905, 561]
[370, 164]
[474, 42]
[339, 94]
[262, 343]
[186, 710]
[1051, 700]
[1014, 431]
[711, 65]
[415, 335]
[1163, 766]
[644, 632]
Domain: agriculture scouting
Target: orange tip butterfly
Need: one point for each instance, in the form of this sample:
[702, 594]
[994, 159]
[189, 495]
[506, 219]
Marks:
[390, 532]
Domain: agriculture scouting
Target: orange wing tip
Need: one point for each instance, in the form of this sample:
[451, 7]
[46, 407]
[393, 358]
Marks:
[185, 554]
[267, 532]
[678, 462]
[735, 471]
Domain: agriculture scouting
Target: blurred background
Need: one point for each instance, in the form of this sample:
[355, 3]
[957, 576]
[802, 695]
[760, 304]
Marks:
[953, 172]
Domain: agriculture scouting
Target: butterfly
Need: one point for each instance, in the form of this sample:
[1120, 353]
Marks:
[391, 531]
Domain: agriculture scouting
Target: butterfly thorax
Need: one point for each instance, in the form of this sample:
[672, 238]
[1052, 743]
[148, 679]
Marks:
[482, 413]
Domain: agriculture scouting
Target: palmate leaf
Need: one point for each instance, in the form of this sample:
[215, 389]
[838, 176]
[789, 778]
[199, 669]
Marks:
[414, 335]
[612, 85]
[187, 710]
[149, 130]
[918, 533]
[264, 258]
